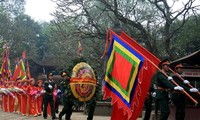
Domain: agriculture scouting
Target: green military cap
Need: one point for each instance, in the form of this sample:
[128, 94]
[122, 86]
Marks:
[64, 73]
[165, 61]
[50, 74]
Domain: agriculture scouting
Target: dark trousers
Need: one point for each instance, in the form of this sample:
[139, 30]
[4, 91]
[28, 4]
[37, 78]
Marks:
[48, 99]
[91, 109]
[67, 109]
[57, 102]
[179, 102]
[148, 107]
[164, 108]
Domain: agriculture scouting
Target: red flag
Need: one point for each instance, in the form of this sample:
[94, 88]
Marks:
[16, 73]
[5, 68]
[3, 65]
[80, 49]
[28, 73]
[20, 71]
[24, 55]
[128, 76]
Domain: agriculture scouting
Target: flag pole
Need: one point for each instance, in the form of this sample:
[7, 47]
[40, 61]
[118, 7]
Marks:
[182, 79]
[188, 95]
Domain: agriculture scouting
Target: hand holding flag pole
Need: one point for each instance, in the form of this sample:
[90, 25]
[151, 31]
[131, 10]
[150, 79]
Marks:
[182, 79]
[188, 95]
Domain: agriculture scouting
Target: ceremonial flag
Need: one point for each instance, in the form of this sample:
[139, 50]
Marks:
[28, 72]
[16, 71]
[5, 68]
[24, 54]
[128, 77]
[80, 49]
[2, 65]
[21, 71]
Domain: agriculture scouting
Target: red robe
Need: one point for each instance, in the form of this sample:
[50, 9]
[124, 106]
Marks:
[1, 99]
[11, 100]
[31, 101]
[39, 100]
[5, 101]
[18, 104]
[24, 110]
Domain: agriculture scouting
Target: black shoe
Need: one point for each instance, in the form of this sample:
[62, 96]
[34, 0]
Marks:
[53, 118]
[45, 117]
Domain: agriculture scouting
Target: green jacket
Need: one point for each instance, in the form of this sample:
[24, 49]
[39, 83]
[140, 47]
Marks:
[67, 95]
[163, 82]
[179, 96]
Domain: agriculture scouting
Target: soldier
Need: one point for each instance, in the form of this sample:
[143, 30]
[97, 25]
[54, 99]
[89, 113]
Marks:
[91, 104]
[66, 97]
[48, 96]
[177, 96]
[163, 84]
[148, 103]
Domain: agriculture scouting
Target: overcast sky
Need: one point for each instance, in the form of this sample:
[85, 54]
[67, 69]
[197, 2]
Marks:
[40, 10]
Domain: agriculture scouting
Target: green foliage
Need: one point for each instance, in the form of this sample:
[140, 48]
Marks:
[18, 30]
[186, 41]
[13, 7]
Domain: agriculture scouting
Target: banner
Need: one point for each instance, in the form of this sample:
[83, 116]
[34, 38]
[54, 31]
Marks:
[128, 76]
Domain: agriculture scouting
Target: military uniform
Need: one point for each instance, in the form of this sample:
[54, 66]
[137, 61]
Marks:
[163, 85]
[91, 104]
[148, 104]
[66, 100]
[48, 97]
[162, 97]
[178, 98]
[91, 107]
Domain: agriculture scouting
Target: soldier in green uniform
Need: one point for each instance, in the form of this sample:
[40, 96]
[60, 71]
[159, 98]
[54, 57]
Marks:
[177, 96]
[66, 97]
[91, 104]
[48, 96]
[148, 103]
[163, 84]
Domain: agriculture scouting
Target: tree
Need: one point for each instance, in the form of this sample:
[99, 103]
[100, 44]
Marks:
[13, 7]
[186, 41]
[149, 21]
[24, 33]
[18, 30]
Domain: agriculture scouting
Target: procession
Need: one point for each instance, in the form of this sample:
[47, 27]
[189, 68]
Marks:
[24, 95]
[100, 60]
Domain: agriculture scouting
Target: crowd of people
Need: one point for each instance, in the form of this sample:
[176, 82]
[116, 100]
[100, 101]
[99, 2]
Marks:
[22, 97]
[31, 98]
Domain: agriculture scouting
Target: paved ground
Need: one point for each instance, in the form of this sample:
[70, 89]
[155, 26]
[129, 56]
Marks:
[75, 116]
